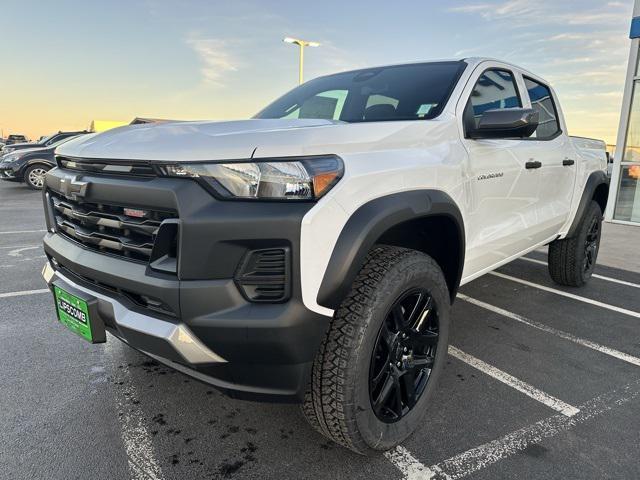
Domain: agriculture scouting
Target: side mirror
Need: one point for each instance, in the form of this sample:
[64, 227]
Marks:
[506, 123]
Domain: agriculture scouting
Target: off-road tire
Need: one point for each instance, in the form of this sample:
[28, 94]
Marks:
[567, 256]
[337, 401]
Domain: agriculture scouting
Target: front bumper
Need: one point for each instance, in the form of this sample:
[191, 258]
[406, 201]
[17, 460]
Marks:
[210, 330]
[169, 339]
[254, 352]
[9, 173]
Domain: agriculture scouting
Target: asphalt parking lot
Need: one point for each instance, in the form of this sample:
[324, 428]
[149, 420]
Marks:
[542, 382]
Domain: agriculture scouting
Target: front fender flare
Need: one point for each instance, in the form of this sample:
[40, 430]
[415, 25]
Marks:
[368, 223]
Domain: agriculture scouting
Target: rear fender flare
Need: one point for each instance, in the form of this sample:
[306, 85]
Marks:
[593, 182]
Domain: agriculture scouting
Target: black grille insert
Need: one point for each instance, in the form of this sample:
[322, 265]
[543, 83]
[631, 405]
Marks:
[109, 168]
[264, 275]
[122, 231]
[137, 299]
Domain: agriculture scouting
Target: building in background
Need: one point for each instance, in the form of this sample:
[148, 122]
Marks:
[624, 195]
[102, 125]
[141, 120]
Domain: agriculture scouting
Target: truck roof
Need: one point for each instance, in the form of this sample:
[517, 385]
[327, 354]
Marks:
[471, 61]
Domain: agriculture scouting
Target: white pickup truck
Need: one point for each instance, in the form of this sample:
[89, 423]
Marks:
[312, 253]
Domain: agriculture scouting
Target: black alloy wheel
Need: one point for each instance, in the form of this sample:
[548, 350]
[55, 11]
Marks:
[572, 260]
[376, 371]
[404, 355]
[591, 245]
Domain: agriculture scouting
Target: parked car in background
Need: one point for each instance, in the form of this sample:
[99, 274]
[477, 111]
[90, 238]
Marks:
[31, 164]
[11, 139]
[43, 142]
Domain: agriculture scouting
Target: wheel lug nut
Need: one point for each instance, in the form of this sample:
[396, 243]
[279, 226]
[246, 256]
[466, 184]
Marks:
[405, 349]
[399, 364]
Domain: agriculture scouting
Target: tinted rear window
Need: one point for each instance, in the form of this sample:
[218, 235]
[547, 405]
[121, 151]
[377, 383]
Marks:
[542, 102]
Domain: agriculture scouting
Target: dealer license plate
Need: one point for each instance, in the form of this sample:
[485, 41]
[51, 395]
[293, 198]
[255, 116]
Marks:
[73, 312]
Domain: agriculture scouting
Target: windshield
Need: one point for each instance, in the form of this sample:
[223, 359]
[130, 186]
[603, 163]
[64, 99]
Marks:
[62, 140]
[401, 92]
[45, 140]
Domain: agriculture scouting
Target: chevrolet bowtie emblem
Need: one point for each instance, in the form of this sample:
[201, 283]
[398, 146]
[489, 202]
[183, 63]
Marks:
[71, 186]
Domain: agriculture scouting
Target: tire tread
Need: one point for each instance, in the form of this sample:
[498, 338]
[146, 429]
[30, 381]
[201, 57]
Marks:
[565, 256]
[325, 405]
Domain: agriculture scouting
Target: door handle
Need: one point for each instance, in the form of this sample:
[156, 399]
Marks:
[535, 164]
[567, 162]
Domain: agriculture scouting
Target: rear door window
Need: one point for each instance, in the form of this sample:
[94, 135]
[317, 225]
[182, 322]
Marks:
[542, 102]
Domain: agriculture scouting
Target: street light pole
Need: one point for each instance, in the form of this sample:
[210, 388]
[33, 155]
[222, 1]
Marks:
[301, 44]
[301, 63]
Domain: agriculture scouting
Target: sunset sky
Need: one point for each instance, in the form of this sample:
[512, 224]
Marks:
[66, 63]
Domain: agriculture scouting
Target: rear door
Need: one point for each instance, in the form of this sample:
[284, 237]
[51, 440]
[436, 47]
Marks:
[551, 146]
[502, 194]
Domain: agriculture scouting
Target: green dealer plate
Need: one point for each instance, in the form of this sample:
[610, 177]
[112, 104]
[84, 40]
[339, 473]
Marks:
[73, 312]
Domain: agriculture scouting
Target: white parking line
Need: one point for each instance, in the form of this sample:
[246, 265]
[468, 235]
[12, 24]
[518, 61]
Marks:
[135, 436]
[22, 231]
[410, 467]
[18, 246]
[613, 308]
[513, 382]
[138, 446]
[483, 456]
[23, 292]
[545, 328]
[17, 252]
[595, 275]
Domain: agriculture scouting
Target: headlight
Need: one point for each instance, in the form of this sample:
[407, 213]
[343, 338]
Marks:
[304, 179]
[12, 157]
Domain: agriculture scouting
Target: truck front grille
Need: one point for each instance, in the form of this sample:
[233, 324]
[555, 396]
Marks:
[112, 167]
[107, 228]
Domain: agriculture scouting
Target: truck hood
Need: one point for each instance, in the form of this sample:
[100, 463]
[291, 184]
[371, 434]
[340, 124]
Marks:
[233, 140]
[181, 141]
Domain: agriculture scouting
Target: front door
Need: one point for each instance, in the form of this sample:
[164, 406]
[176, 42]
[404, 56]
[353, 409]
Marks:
[503, 195]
